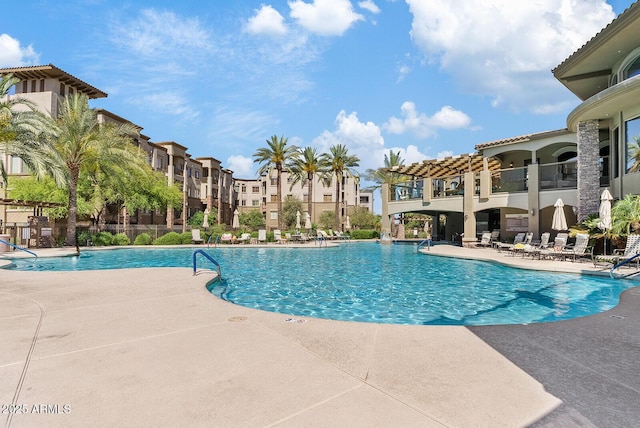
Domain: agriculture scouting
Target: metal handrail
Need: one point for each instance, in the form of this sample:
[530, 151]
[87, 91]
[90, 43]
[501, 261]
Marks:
[321, 238]
[425, 241]
[622, 263]
[211, 259]
[19, 248]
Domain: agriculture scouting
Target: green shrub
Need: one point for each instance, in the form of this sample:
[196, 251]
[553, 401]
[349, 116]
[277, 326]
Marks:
[186, 238]
[120, 239]
[365, 234]
[171, 238]
[83, 237]
[102, 239]
[142, 239]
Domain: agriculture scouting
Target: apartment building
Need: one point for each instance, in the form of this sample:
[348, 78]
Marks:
[512, 184]
[262, 193]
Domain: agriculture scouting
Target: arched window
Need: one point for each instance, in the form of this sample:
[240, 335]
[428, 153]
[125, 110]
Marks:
[632, 69]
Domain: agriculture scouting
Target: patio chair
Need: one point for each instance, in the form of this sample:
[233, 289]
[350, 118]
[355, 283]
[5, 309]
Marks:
[519, 239]
[554, 250]
[244, 238]
[580, 249]
[277, 236]
[262, 235]
[226, 238]
[195, 236]
[632, 248]
[485, 240]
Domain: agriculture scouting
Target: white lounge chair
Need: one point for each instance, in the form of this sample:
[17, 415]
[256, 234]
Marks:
[262, 235]
[485, 240]
[277, 236]
[195, 236]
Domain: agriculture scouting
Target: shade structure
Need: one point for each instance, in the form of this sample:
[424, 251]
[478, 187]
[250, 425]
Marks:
[297, 219]
[559, 221]
[347, 223]
[605, 214]
[205, 222]
[236, 220]
[307, 221]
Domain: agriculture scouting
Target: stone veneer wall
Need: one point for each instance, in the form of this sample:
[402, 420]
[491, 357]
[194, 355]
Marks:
[588, 171]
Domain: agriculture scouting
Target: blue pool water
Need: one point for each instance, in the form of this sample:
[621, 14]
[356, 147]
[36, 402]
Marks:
[373, 283]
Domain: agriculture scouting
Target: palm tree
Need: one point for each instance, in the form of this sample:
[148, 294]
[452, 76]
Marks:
[275, 156]
[84, 144]
[21, 132]
[305, 167]
[339, 163]
[380, 176]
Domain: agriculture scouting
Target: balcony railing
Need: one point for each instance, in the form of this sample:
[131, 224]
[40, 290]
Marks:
[561, 175]
[509, 180]
[406, 191]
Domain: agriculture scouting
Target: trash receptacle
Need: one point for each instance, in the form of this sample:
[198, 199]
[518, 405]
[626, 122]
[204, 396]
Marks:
[4, 247]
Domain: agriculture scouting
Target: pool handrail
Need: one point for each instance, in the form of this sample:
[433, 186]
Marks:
[320, 238]
[19, 248]
[211, 259]
[622, 263]
[425, 241]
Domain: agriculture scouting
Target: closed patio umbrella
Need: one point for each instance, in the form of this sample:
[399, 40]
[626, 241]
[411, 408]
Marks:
[236, 220]
[307, 222]
[559, 220]
[297, 220]
[347, 223]
[605, 215]
[205, 222]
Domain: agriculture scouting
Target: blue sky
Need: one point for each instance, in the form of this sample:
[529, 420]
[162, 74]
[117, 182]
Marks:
[429, 78]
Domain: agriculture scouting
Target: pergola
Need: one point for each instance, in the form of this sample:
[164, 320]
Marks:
[452, 165]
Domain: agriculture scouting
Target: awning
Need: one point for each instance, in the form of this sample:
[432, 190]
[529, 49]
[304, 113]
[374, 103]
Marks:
[452, 165]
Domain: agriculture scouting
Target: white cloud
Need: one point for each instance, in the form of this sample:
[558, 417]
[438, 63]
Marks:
[268, 21]
[423, 126]
[506, 49]
[167, 103]
[12, 54]
[325, 17]
[241, 166]
[156, 32]
[403, 71]
[370, 6]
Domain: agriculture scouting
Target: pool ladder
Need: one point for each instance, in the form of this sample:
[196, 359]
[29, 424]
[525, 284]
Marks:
[426, 242]
[211, 259]
[19, 248]
[622, 263]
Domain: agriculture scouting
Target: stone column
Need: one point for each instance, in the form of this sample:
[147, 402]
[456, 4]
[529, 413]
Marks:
[469, 238]
[385, 219]
[588, 171]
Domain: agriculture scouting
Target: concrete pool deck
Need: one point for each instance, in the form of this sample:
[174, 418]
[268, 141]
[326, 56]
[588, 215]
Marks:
[152, 347]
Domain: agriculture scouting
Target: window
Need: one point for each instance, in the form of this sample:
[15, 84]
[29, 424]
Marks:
[33, 86]
[633, 69]
[244, 203]
[615, 149]
[274, 181]
[41, 85]
[274, 198]
[16, 165]
[243, 188]
[197, 174]
[62, 89]
[255, 189]
[273, 215]
[326, 197]
[255, 202]
[632, 132]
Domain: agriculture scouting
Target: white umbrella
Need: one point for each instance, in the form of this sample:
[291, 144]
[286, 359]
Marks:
[236, 220]
[298, 220]
[307, 221]
[605, 214]
[205, 223]
[559, 220]
[347, 223]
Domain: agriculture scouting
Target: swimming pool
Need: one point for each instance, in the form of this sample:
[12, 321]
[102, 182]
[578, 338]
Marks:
[373, 283]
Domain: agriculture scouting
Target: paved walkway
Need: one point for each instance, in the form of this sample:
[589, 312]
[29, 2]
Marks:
[151, 347]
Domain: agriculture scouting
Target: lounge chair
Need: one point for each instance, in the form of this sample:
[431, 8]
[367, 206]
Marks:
[277, 236]
[535, 248]
[195, 236]
[304, 237]
[519, 239]
[554, 250]
[262, 235]
[580, 249]
[485, 240]
[244, 238]
[631, 249]
[226, 238]
[495, 237]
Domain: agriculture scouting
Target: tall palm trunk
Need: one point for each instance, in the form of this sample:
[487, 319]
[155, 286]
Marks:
[72, 213]
[337, 210]
[279, 196]
[310, 196]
